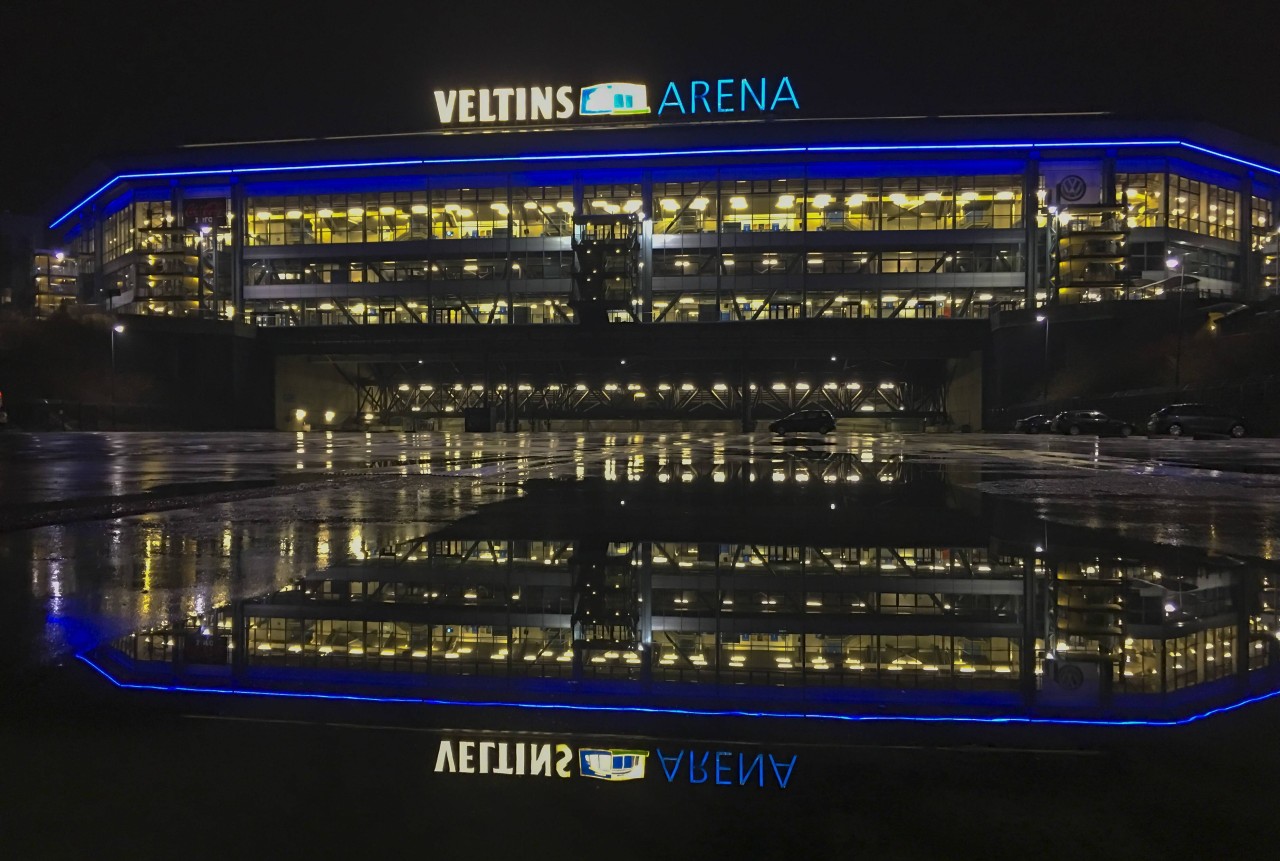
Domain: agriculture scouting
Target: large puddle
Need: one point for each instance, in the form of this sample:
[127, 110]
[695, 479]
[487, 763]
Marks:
[849, 582]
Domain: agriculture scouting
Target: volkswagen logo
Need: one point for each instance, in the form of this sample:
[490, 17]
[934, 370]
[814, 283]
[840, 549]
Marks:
[1069, 677]
[1072, 188]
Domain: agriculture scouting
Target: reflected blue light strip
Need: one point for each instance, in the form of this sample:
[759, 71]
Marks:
[655, 710]
[986, 145]
[972, 146]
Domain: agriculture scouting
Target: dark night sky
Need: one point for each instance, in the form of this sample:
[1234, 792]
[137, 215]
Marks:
[84, 81]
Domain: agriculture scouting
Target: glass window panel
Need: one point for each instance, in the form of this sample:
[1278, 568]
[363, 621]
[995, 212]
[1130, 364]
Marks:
[1143, 197]
[470, 213]
[542, 210]
[685, 207]
[761, 205]
[1202, 207]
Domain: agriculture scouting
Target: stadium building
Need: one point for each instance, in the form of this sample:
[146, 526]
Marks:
[753, 259]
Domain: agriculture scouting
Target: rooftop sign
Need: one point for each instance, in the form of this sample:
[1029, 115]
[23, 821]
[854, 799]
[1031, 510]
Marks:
[551, 759]
[510, 105]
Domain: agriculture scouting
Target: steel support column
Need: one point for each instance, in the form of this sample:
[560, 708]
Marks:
[1031, 246]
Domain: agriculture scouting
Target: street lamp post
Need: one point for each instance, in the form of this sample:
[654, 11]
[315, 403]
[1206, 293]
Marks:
[117, 329]
[1171, 265]
[1044, 318]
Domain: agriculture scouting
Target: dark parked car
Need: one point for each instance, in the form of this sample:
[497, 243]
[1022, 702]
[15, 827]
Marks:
[1037, 423]
[820, 421]
[1180, 419]
[1089, 422]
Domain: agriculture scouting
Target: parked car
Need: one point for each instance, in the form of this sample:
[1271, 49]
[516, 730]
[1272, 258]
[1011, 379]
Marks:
[819, 420]
[1038, 423]
[1076, 422]
[1180, 419]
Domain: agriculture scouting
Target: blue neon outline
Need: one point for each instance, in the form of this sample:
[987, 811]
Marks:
[938, 147]
[1228, 157]
[865, 718]
[990, 145]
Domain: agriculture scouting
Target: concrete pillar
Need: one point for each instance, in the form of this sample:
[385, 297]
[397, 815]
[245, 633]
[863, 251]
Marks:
[239, 226]
[1030, 618]
[99, 279]
[311, 386]
[1250, 272]
[644, 275]
[239, 640]
[964, 391]
[1030, 240]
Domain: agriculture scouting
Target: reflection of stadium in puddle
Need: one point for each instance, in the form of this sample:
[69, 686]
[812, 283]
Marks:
[868, 587]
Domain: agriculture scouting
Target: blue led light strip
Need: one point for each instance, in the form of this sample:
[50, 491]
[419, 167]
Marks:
[851, 148]
[876, 718]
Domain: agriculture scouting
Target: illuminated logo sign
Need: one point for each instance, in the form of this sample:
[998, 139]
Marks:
[520, 759]
[611, 764]
[729, 96]
[1072, 188]
[725, 768]
[499, 105]
[555, 759]
[503, 104]
[614, 99]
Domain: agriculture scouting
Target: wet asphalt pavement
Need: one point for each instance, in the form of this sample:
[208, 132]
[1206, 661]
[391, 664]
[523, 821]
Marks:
[104, 534]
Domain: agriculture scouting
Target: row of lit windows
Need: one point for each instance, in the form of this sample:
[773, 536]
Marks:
[466, 213]
[55, 282]
[913, 203]
[532, 265]
[983, 258]
[1143, 665]
[1158, 200]
[117, 234]
[692, 602]
[1153, 258]
[491, 310]
[1262, 222]
[1203, 208]
[938, 561]
[730, 205]
[529, 645]
[676, 263]
[666, 263]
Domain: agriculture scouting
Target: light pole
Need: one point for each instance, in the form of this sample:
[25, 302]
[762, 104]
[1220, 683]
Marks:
[1044, 318]
[1171, 265]
[117, 329]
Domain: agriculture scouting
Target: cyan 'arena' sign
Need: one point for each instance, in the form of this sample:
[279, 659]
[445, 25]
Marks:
[498, 105]
[729, 96]
[531, 759]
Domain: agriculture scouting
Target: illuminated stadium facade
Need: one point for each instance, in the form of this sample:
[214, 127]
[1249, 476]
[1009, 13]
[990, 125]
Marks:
[482, 230]
[770, 602]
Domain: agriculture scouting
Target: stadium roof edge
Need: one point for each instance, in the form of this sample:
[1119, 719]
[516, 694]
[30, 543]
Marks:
[1027, 143]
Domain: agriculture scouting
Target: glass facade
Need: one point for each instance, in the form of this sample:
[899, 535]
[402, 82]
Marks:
[749, 617]
[1202, 207]
[56, 282]
[727, 243]
[154, 262]
[1143, 196]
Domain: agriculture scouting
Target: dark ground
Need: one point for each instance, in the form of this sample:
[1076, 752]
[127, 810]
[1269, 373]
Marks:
[123, 774]
[92, 771]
